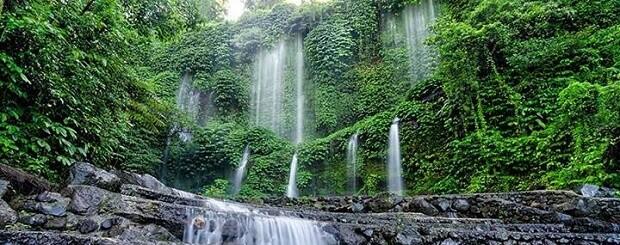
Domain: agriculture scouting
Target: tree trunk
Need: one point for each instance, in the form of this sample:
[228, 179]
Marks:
[22, 182]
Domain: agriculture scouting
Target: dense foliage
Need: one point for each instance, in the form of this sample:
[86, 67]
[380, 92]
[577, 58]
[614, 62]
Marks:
[525, 94]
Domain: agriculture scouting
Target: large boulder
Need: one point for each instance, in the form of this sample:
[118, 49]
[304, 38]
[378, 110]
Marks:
[83, 173]
[7, 215]
[144, 180]
[85, 200]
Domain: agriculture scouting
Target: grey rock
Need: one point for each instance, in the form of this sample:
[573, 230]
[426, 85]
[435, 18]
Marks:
[35, 220]
[144, 180]
[149, 232]
[421, 205]
[368, 232]
[83, 173]
[588, 190]
[449, 241]
[54, 238]
[407, 239]
[87, 226]
[49, 197]
[107, 224]
[7, 215]
[444, 205]
[357, 207]
[72, 221]
[461, 205]
[4, 187]
[58, 209]
[56, 223]
[86, 200]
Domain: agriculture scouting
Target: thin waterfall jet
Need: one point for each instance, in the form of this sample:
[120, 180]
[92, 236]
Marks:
[352, 162]
[299, 88]
[291, 190]
[241, 170]
[395, 179]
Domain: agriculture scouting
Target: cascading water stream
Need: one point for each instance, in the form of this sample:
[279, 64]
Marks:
[395, 180]
[241, 170]
[299, 90]
[352, 162]
[418, 19]
[233, 223]
[411, 30]
[270, 107]
[291, 190]
[268, 88]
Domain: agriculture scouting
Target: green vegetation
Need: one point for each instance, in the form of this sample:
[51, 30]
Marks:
[525, 94]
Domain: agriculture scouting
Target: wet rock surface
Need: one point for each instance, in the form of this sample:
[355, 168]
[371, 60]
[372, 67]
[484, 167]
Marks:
[124, 208]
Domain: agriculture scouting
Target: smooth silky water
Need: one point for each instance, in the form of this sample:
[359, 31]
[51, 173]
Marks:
[395, 179]
[234, 223]
[241, 171]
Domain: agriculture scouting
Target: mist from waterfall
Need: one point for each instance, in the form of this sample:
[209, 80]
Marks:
[411, 29]
[291, 189]
[352, 163]
[395, 179]
[241, 171]
[234, 223]
[299, 90]
[197, 106]
[268, 87]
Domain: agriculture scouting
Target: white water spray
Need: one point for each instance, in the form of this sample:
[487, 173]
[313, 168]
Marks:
[352, 162]
[268, 88]
[233, 223]
[291, 190]
[411, 30]
[299, 89]
[395, 180]
[241, 171]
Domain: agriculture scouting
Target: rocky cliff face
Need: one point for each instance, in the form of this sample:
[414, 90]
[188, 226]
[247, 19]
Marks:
[101, 207]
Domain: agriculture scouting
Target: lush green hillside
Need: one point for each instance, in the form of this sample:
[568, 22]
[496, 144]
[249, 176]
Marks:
[522, 95]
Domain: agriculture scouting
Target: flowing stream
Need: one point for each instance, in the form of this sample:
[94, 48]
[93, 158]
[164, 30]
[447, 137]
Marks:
[395, 179]
[291, 189]
[233, 223]
[268, 87]
[241, 170]
[352, 163]
[411, 30]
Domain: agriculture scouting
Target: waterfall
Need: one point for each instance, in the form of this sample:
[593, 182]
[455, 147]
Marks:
[271, 109]
[411, 31]
[291, 190]
[417, 19]
[268, 88]
[233, 223]
[352, 162]
[241, 170]
[299, 89]
[195, 104]
[395, 180]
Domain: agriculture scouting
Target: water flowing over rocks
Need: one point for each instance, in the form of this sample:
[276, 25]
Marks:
[138, 209]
